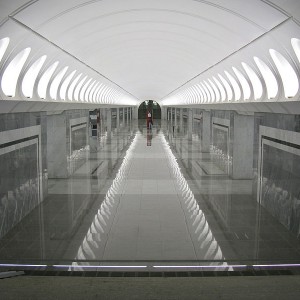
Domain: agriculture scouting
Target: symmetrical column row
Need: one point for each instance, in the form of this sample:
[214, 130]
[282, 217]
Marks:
[229, 139]
[68, 137]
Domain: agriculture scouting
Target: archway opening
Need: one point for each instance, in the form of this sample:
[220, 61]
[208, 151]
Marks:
[149, 105]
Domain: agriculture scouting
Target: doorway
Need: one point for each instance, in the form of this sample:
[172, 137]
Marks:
[149, 105]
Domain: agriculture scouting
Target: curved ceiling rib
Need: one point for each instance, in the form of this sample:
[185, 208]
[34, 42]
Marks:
[149, 48]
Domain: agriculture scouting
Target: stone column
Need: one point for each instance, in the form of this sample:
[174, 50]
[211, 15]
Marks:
[206, 132]
[137, 112]
[181, 120]
[118, 119]
[171, 119]
[108, 123]
[56, 146]
[62, 142]
[123, 117]
[242, 158]
[190, 124]
[175, 120]
[164, 113]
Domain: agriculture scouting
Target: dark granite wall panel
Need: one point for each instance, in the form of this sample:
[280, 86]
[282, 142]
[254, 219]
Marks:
[228, 115]
[280, 193]
[78, 138]
[77, 134]
[19, 185]
[279, 121]
[23, 169]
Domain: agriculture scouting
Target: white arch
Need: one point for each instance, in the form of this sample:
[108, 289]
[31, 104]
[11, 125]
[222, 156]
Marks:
[191, 92]
[244, 83]
[108, 95]
[73, 86]
[88, 91]
[287, 74]
[269, 77]
[191, 95]
[221, 89]
[83, 90]
[217, 93]
[212, 94]
[55, 83]
[296, 46]
[207, 98]
[194, 95]
[12, 72]
[111, 96]
[98, 95]
[44, 81]
[64, 86]
[184, 96]
[91, 93]
[78, 88]
[203, 95]
[198, 93]
[236, 88]
[31, 75]
[255, 81]
[227, 87]
[102, 93]
[3, 46]
[96, 92]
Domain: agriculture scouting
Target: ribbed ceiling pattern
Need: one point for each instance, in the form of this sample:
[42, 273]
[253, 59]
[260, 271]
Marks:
[149, 48]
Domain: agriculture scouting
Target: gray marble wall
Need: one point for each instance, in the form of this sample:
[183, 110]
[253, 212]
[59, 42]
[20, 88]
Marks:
[220, 145]
[276, 166]
[206, 133]
[38, 146]
[67, 142]
[56, 146]
[79, 148]
[114, 120]
[121, 117]
[262, 147]
[232, 135]
[242, 158]
[197, 124]
[23, 166]
[221, 141]
[265, 147]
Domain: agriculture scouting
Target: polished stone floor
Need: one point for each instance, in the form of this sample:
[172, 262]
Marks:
[149, 197]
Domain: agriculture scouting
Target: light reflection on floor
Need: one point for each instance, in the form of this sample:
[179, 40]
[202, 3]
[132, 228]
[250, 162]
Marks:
[142, 200]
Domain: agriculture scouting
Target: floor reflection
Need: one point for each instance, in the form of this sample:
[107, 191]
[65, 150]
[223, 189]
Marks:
[96, 236]
[246, 231]
[168, 203]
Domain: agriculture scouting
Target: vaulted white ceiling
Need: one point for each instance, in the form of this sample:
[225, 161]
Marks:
[150, 48]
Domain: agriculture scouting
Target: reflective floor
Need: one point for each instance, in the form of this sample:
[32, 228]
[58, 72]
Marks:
[149, 197]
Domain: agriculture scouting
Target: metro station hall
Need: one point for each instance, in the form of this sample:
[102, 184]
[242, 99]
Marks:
[150, 139]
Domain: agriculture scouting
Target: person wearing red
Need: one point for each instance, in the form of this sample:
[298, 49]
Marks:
[149, 119]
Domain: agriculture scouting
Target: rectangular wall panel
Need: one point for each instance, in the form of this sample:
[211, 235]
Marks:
[20, 176]
[279, 175]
